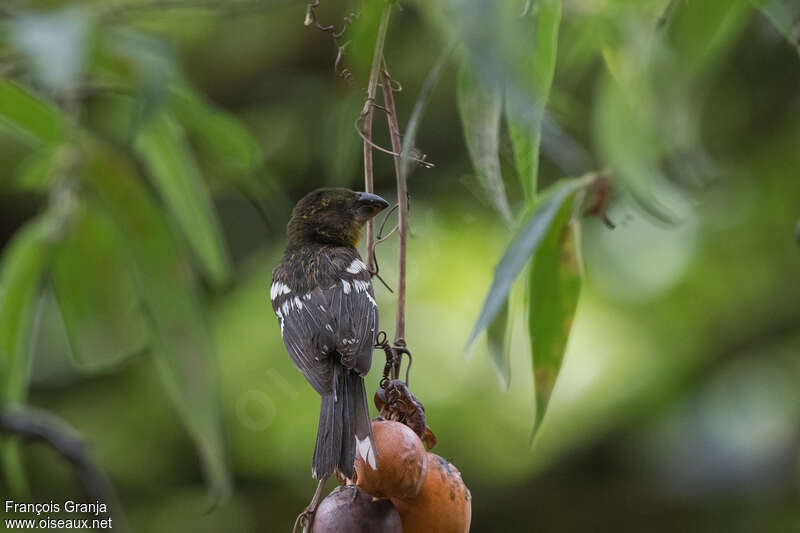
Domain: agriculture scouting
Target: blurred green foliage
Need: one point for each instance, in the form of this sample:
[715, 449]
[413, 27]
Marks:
[151, 152]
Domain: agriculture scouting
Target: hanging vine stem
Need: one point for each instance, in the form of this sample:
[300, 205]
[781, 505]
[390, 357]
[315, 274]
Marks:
[399, 345]
[364, 128]
[376, 240]
[421, 161]
[402, 147]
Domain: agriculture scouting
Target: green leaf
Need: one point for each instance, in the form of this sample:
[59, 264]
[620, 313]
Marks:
[230, 149]
[220, 135]
[418, 111]
[524, 245]
[23, 264]
[29, 117]
[629, 137]
[139, 60]
[96, 294]
[526, 102]
[21, 270]
[362, 34]
[167, 286]
[172, 168]
[785, 16]
[702, 33]
[554, 288]
[479, 105]
[35, 173]
[497, 340]
[646, 110]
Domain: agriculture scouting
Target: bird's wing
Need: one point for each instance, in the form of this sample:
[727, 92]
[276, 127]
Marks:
[354, 316]
[302, 318]
[342, 317]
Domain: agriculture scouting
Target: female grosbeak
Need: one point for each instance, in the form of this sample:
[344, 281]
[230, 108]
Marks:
[322, 295]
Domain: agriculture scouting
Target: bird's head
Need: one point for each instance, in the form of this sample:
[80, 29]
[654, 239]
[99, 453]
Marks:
[332, 216]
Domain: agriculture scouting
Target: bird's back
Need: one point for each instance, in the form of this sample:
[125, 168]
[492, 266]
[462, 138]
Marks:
[323, 297]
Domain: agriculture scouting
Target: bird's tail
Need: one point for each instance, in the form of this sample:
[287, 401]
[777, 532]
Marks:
[344, 428]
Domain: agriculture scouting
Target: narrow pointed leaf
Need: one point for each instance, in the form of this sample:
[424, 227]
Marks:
[35, 172]
[23, 264]
[29, 117]
[526, 100]
[524, 245]
[646, 110]
[96, 293]
[785, 16]
[480, 104]
[229, 149]
[554, 287]
[175, 174]
[220, 135]
[629, 138]
[497, 340]
[167, 286]
[703, 33]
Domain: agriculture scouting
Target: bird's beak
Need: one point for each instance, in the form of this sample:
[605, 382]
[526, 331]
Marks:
[368, 205]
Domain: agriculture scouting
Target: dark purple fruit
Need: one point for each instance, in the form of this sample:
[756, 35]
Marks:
[348, 509]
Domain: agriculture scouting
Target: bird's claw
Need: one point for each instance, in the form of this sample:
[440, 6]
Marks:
[304, 520]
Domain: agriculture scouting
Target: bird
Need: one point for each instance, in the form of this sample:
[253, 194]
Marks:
[322, 295]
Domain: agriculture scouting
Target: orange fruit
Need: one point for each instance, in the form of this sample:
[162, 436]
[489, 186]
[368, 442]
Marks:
[401, 460]
[443, 504]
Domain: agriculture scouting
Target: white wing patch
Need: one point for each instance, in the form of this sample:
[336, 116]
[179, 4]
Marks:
[278, 288]
[280, 320]
[346, 286]
[356, 266]
[364, 449]
[290, 305]
[371, 299]
[361, 285]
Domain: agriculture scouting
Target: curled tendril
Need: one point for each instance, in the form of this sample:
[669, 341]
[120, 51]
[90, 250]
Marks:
[344, 73]
[311, 20]
[394, 358]
[375, 270]
[421, 160]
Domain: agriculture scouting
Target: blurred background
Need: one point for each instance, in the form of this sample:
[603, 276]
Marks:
[151, 152]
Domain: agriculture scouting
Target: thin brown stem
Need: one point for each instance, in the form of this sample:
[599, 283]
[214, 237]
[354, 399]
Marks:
[402, 209]
[420, 161]
[369, 187]
[365, 129]
[381, 239]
